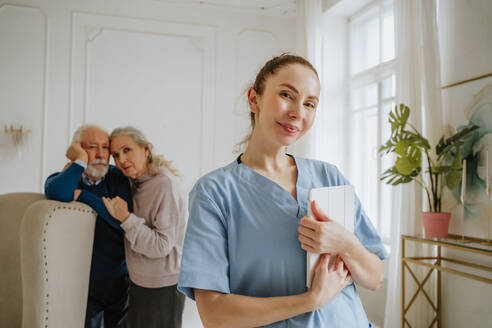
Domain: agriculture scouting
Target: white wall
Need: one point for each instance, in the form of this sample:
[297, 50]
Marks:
[465, 36]
[175, 71]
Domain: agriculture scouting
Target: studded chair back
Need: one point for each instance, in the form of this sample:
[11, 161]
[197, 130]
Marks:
[56, 249]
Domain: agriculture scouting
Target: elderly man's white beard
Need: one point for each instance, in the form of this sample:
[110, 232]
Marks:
[97, 172]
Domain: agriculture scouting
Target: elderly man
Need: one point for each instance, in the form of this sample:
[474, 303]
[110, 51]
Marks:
[88, 177]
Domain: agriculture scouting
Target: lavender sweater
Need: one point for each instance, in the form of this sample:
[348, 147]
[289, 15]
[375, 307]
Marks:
[154, 232]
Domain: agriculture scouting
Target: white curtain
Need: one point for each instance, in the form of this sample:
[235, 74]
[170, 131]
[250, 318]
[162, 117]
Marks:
[418, 86]
[309, 45]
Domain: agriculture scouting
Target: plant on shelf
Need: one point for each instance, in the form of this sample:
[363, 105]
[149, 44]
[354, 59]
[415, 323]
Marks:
[412, 149]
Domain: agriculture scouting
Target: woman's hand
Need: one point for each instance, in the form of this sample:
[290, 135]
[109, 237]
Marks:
[323, 235]
[326, 236]
[76, 194]
[117, 207]
[328, 280]
[217, 309]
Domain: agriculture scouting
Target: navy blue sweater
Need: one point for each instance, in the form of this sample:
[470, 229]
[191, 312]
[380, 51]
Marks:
[108, 253]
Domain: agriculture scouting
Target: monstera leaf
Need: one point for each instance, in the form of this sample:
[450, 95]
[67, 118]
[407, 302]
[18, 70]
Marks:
[394, 177]
[398, 118]
[409, 159]
[400, 136]
[444, 168]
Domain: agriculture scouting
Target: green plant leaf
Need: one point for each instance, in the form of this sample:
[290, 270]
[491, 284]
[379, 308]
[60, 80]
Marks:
[405, 165]
[398, 118]
[388, 146]
[402, 180]
[401, 148]
[452, 179]
[441, 169]
[445, 146]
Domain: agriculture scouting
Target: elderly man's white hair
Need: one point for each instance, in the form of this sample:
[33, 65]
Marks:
[77, 136]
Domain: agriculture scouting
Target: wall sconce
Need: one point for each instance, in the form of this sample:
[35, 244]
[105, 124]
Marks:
[17, 135]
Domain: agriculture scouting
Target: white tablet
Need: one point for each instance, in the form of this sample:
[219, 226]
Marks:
[338, 204]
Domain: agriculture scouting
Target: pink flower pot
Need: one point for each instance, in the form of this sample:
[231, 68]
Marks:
[436, 224]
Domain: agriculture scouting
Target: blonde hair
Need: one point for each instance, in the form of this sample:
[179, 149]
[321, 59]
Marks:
[154, 161]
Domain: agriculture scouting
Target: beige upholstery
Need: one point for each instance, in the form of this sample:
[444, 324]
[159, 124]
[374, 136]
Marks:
[12, 208]
[53, 241]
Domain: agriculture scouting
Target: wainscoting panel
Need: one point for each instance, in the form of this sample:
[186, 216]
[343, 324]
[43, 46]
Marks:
[157, 76]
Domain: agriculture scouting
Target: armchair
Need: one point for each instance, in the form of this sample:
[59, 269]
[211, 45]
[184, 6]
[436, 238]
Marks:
[45, 258]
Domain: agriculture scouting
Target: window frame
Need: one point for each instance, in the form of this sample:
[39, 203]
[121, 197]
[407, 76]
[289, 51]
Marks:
[372, 75]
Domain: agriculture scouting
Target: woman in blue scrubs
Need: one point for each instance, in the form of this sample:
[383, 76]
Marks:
[244, 255]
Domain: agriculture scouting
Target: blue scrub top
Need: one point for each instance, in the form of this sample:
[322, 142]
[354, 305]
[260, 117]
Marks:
[242, 239]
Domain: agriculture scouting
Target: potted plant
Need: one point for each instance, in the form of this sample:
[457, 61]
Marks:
[443, 165]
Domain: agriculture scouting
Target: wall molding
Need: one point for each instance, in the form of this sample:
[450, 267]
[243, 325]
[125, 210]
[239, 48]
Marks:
[74, 13]
[87, 28]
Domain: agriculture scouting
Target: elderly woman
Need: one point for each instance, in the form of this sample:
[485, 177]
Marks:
[154, 231]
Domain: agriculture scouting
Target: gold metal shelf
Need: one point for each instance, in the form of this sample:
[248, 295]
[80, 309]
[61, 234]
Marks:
[434, 263]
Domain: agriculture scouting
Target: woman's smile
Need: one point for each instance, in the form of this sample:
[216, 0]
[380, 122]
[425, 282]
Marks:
[289, 128]
[127, 168]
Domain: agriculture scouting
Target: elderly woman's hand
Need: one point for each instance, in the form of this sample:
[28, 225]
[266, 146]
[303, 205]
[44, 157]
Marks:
[323, 235]
[76, 194]
[117, 207]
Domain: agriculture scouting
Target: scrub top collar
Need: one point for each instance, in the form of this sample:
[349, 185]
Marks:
[239, 161]
[273, 190]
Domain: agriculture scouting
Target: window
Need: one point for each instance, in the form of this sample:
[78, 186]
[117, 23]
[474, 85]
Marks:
[371, 97]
